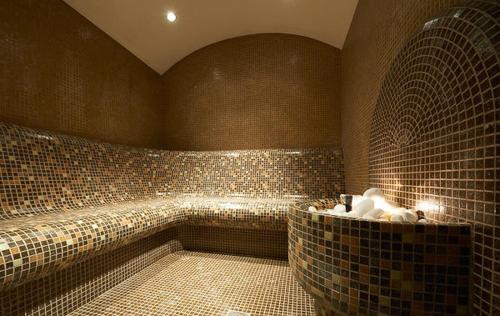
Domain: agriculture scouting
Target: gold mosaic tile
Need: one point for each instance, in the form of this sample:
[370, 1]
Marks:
[43, 172]
[252, 92]
[236, 241]
[380, 268]
[61, 72]
[40, 245]
[67, 201]
[63, 291]
[193, 283]
[435, 139]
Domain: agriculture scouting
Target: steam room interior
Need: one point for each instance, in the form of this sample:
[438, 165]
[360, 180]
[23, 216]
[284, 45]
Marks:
[246, 158]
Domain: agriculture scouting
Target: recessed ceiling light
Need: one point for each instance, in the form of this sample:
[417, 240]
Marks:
[171, 17]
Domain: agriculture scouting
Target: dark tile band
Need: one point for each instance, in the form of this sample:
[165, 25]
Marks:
[361, 267]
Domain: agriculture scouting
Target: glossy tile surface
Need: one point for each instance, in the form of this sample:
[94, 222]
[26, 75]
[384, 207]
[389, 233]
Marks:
[67, 201]
[193, 283]
[435, 136]
[64, 199]
[44, 172]
[367, 267]
[255, 91]
[60, 72]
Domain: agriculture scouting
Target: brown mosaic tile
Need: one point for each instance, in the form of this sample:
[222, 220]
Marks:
[206, 284]
[64, 291]
[434, 134]
[37, 246]
[236, 241]
[362, 267]
[252, 92]
[43, 172]
[234, 212]
[60, 72]
[66, 202]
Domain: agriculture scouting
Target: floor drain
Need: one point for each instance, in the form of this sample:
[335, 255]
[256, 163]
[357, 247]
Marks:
[237, 313]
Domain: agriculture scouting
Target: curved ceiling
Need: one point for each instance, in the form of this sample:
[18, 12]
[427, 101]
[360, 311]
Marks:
[141, 27]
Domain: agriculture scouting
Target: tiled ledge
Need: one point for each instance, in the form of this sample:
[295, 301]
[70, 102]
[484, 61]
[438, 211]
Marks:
[360, 267]
[64, 199]
[35, 246]
[44, 172]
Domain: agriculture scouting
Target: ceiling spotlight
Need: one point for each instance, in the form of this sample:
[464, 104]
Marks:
[171, 17]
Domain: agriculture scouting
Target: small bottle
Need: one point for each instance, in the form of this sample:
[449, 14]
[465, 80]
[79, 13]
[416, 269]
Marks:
[420, 215]
[346, 199]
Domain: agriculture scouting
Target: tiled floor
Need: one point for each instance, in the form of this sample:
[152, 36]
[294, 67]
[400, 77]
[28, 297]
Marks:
[195, 283]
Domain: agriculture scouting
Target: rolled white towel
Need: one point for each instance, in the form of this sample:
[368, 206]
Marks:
[396, 218]
[356, 199]
[363, 207]
[382, 203]
[374, 213]
[405, 214]
[373, 192]
[353, 214]
[399, 210]
[386, 216]
[410, 216]
[312, 209]
[339, 210]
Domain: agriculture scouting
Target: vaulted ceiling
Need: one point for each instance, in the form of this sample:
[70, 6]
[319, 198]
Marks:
[141, 25]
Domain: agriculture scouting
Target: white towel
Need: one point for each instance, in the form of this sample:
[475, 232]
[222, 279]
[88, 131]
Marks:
[312, 209]
[356, 199]
[385, 216]
[410, 216]
[338, 210]
[363, 207]
[404, 215]
[373, 214]
[396, 218]
[352, 214]
[373, 192]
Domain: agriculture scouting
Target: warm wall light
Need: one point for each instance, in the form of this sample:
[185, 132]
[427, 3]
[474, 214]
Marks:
[382, 203]
[429, 206]
[171, 17]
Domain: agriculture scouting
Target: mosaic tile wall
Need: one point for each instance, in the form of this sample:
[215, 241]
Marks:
[66, 290]
[236, 241]
[378, 31]
[43, 172]
[65, 199]
[362, 267]
[256, 91]
[435, 132]
[60, 72]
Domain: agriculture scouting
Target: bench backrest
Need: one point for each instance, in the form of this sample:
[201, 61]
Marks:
[43, 172]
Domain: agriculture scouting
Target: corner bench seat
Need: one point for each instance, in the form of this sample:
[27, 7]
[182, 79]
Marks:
[65, 199]
[235, 212]
[35, 246]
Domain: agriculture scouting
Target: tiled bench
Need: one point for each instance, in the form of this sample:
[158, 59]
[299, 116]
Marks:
[64, 200]
[35, 246]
